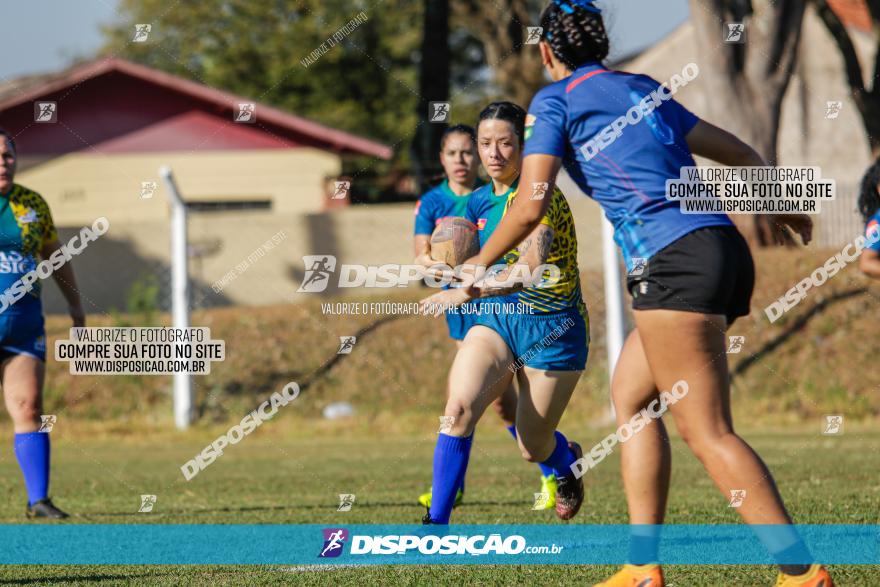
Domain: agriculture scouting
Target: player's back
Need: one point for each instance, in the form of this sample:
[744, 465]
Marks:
[621, 137]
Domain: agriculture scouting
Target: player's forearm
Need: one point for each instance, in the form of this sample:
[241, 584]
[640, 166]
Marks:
[421, 245]
[527, 209]
[870, 265]
[745, 157]
[66, 281]
[514, 227]
[498, 289]
[712, 142]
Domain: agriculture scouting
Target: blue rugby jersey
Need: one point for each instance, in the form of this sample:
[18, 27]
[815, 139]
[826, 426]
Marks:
[485, 209]
[436, 204]
[873, 224]
[25, 226]
[625, 173]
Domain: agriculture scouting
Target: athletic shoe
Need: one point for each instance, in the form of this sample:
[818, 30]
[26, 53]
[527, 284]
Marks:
[570, 489]
[44, 509]
[635, 576]
[817, 576]
[548, 488]
[427, 521]
[425, 498]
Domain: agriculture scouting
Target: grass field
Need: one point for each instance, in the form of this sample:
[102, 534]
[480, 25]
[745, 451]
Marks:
[114, 438]
[280, 475]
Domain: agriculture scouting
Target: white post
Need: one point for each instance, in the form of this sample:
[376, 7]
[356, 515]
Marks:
[614, 317]
[183, 395]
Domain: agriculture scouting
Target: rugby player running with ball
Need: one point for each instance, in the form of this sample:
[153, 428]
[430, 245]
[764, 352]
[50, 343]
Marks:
[454, 198]
[542, 343]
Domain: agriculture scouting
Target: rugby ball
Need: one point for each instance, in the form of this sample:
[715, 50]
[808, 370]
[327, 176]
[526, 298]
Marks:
[455, 240]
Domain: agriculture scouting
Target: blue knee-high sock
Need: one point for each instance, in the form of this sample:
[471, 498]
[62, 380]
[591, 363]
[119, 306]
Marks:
[464, 473]
[451, 457]
[545, 470]
[561, 458]
[32, 451]
[644, 544]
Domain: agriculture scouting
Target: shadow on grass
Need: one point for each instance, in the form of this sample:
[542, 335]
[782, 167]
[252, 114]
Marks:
[311, 507]
[793, 328]
[270, 379]
[282, 508]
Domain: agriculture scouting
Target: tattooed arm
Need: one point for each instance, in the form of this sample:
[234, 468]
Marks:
[531, 254]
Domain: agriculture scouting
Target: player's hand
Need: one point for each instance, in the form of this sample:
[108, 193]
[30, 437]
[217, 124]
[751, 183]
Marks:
[434, 269]
[78, 315]
[442, 301]
[470, 271]
[778, 226]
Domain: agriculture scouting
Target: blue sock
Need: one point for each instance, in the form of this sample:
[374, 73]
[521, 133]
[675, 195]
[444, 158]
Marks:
[451, 457]
[561, 458]
[545, 470]
[32, 451]
[644, 543]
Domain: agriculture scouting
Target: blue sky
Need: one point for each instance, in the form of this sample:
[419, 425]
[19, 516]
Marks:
[41, 36]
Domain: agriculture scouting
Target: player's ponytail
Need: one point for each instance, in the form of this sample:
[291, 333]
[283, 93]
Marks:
[508, 111]
[869, 198]
[575, 32]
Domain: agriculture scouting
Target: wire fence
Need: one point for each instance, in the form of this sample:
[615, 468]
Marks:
[839, 221]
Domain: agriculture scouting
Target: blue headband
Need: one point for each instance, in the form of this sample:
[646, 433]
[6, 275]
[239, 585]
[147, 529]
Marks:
[565, 6]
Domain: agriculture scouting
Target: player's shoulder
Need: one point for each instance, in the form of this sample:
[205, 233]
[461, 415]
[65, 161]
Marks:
[24, 193]
[480, 195]
[558, 198]
[28, 197]
[427, 202]
[550, 95]
[428, 195]
[433, 195]
[558, 204]
[873, 222]
[483, 191]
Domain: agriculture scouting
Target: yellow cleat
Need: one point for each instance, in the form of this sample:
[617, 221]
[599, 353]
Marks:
[425, 498]
[635, 576]
[817, 576]
[547, 496]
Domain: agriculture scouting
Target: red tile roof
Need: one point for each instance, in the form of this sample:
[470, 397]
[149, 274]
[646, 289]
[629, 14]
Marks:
[25, 90]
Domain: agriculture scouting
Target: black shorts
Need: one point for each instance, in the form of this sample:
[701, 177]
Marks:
[709, 271]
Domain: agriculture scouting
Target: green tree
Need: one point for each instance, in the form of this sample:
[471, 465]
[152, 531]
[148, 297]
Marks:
[748, 81]
[365, 84]
[501, 27]
[865, 91]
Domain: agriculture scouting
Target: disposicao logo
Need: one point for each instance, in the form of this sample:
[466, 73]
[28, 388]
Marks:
[334, 541]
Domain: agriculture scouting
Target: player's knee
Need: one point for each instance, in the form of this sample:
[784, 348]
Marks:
[535, 448]
[627, 401]
[24, 410]
[460, 418]
[505, 411]
[703, 441]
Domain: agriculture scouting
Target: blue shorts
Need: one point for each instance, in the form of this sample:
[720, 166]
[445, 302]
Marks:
[459, 321]
[22, 334]
[555, 341]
